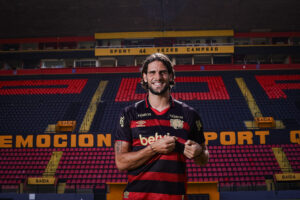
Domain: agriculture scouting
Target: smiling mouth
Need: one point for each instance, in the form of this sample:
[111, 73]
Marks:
[157, 84]
[158, 88]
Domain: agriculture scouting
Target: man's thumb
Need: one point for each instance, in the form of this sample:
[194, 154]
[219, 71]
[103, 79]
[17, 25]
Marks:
[189, 142]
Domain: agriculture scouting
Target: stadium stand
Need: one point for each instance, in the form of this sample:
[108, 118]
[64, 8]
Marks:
[67, 68]
[242, 158]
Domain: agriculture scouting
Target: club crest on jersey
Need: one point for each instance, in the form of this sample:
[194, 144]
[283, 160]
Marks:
[176, 123]
[140, 123]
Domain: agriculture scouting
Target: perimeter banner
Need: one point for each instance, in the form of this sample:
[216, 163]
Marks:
[165, 50]
[262, 137]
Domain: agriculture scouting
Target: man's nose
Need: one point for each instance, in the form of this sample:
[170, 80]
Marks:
[157, 76]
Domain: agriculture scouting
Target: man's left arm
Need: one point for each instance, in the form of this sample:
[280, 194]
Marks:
[195, 147]
[197, 152]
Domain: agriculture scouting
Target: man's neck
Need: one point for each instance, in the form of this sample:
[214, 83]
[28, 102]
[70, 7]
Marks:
[159, 102]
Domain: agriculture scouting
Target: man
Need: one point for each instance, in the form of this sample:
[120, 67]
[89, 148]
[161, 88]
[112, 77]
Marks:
[155, 136]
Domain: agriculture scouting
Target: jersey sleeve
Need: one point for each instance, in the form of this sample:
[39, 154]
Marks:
[196, 133]
[123, 131]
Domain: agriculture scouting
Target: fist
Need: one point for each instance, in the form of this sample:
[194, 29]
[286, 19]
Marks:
[164, 145]
[192, 149]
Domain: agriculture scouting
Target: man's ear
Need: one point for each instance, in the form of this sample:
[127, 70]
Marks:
[145, 77]
[172, 77]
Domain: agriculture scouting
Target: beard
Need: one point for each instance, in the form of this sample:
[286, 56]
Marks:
[163, 91]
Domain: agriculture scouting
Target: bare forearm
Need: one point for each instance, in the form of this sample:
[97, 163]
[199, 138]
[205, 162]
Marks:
[130, 160]
[127, 159]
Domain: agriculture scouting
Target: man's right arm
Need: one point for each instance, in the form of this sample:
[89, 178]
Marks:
[128, 160]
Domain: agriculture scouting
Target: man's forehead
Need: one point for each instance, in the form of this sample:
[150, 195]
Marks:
[156, 66]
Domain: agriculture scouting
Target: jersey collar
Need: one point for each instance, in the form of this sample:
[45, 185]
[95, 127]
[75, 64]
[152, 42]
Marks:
[171, 101]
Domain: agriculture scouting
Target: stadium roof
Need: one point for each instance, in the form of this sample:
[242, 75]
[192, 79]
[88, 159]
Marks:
[32, 18]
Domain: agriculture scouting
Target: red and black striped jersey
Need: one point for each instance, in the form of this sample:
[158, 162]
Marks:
[164, 176]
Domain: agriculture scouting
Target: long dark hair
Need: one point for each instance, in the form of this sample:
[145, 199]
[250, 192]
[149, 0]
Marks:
[157, 57]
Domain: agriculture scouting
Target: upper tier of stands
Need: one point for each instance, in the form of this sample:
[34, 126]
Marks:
[28, 104]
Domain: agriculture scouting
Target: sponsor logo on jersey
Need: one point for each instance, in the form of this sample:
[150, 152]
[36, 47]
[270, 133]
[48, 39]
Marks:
[122, 121]
[140, 123]
[144, 115]
[126, 195]
[149, 140]
[176, 116]
[199, 125]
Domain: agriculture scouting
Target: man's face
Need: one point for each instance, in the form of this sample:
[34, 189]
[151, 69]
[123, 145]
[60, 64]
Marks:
[157, 78]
